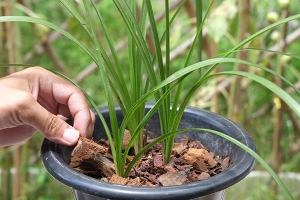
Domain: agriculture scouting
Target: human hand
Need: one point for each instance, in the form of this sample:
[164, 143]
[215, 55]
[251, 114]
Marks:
[37, 100]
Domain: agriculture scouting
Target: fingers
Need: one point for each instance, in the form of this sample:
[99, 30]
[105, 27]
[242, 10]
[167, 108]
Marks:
[64, 114]
[90, 129]
[83, 118]
[63, 110]
[51, 126]
[69, 99]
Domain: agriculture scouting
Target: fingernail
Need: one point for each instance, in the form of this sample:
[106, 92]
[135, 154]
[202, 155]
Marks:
[71, 135]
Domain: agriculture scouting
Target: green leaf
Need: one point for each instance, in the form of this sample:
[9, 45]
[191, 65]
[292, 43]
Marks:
[77, 16]
[271, 86]
[50, 25]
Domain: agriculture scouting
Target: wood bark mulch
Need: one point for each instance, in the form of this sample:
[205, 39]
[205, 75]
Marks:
[190, 162]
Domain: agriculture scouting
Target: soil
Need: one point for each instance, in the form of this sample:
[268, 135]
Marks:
[190, 162]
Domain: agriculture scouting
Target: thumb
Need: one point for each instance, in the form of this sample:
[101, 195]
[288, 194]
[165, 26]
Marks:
[51, 126]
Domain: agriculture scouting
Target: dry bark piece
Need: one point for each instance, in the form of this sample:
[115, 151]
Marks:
[150, 184]
[158, 161]
[145, 165]
[203, 176]
[104, 165]
[178, 148]
[195, 145]
[153, 178]
[172, 178]
[179, 161]
[118, 180]
[193, 176]
[86, 149]
[170, 169]
[99, 164]
[88, 158]
[184, 140]
[201, 159]
[225, 163]
[134, 182]
[157, 147]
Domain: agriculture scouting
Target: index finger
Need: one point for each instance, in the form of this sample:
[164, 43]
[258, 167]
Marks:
[59, 90]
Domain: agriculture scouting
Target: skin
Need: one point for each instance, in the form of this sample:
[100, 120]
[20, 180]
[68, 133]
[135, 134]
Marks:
[37, 100]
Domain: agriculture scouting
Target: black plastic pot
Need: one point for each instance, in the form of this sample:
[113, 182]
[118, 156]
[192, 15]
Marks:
[57, 157]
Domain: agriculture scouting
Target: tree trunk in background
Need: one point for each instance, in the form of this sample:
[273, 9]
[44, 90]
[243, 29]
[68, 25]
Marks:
[279, 111]
[12, 40]
[244, 12]
[9, 35]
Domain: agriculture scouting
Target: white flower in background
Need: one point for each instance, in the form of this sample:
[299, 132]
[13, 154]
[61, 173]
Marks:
[272, 16]
[285, 59]
[284, 3]
[275, 35]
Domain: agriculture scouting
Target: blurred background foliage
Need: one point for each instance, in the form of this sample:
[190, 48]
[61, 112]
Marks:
[275, 129]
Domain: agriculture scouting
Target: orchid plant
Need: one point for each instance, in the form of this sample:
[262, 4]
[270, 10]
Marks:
[158, 84]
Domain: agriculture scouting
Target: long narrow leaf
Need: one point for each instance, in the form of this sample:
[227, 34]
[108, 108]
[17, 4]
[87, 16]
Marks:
[162, 72]
[156, 40]
[77, 16]
[50, 25]
[295, 106]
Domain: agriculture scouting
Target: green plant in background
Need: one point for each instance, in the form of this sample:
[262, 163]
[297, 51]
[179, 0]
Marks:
[165, 85]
